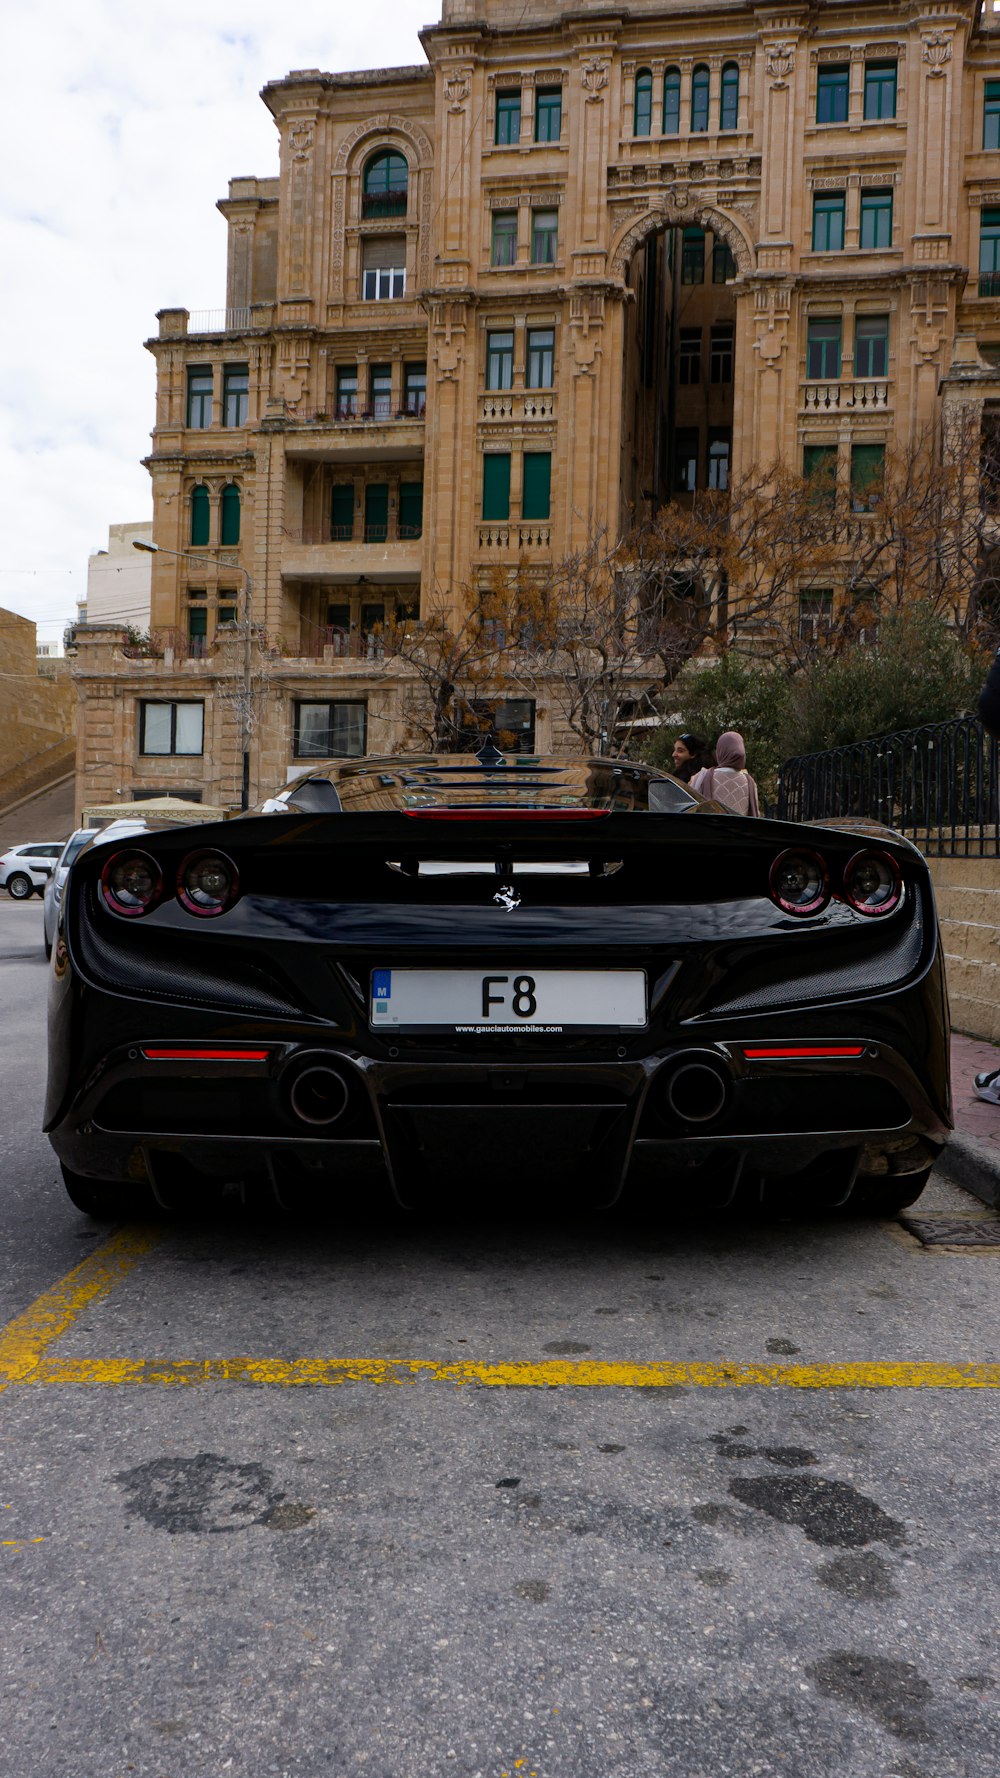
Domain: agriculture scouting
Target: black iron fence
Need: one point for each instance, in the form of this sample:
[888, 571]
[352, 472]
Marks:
[940, 785]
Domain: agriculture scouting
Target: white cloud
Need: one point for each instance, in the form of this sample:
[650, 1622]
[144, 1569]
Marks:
[122, 125]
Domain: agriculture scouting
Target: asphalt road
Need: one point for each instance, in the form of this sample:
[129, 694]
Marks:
[277, 1568]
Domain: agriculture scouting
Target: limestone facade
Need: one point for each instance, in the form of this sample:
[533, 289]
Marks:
[582, 259]
[37, 712]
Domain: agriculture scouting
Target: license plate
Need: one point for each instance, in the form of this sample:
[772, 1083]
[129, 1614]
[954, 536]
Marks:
[509, 999]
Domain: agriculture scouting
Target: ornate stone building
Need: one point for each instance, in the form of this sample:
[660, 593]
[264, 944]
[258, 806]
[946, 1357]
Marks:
[586, 258]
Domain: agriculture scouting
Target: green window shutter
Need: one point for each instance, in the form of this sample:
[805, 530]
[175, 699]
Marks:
[642, 118]
[496, 485]
[376, 512]
[867, 469]
[536, 498]
[342, 511]
[197, 622]
[411, 509]
[229, 523]
[199, 514]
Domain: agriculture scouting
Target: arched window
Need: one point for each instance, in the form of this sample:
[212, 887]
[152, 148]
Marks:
[699, 98]
[729, 114]
[672, 102]
[385, 186]
[642, 117]
[229, 515]
[199, 514]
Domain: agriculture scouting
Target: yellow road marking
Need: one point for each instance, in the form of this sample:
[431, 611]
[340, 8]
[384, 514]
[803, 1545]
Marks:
[24, 1340]
[311, 1373]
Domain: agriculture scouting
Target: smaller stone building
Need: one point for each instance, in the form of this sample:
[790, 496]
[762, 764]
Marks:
[37, 712]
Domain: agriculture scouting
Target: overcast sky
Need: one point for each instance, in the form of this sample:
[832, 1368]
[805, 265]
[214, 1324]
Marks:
[122, 124]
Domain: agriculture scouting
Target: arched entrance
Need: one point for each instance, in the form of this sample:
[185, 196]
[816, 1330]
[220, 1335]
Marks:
[682, 263]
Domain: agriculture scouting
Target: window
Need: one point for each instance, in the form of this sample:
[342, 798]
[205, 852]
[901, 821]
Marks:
[338, 617]
[880, 89]
[867, 471]
[347, 391]
[171, 728]
[720, 445]
[330, 730]
[380, 387]
[689, 358]
[991, 119]
[548, 114]
[693, 256]
[541, 357]
[989, 252]
[823, 349]
[383, 268]
[235, 394]
[197, 630]
[411, 509]
[376, 512]
[672, 102]
[544, 236]
[507, 130]
[721, 361]
[499, 360]
[199, 397]
[415, 388]
[536, 492]
[372, 617]
[686, 459]
[723, 263]
[342, 512]
[871, 346]
[496, 485]
[876, 219]
[503, 248]
[819, 465]
[229, 514]
[200, 514]
[226, 614]
[642, 115]
[699, 98]
[815, 613]
[828, 222]
[385, 185]
[729, 113]
[833, 88]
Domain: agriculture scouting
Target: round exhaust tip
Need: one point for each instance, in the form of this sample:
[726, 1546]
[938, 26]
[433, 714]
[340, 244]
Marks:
[696, 1092]
[318, 1095]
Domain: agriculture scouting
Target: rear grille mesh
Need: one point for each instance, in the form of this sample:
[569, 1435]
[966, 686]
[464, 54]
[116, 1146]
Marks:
[139, 970]
[863, 975]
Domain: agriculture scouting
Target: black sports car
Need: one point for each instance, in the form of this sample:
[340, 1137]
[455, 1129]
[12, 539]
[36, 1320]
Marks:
[477, 976]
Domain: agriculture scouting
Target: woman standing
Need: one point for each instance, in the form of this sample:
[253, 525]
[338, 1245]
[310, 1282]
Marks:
[728, 781]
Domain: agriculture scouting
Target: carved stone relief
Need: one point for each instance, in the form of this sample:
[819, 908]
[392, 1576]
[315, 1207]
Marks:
[936, 53]
[594, 77]
[385, 123]
[779, 60]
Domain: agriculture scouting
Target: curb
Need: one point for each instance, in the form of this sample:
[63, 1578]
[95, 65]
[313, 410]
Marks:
[973, 1164]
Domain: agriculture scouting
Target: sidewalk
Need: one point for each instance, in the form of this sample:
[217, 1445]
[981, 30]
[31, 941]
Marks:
[972, 1157]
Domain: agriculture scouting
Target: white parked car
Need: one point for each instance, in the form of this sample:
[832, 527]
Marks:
[23, 869]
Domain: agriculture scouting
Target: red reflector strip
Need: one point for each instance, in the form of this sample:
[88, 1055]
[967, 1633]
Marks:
[506, 814]
[791, 1051]
[205, 1055]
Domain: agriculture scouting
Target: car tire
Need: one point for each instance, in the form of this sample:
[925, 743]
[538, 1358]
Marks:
[877, 1194]
[106, 1200]
[19, 886]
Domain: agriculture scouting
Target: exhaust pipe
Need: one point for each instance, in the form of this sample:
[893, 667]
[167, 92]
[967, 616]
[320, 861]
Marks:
[319, 1095]
[696, 1091]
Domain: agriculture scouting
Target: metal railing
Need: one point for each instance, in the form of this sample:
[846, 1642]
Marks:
[219, 320]
[939, 785]
[989, 283]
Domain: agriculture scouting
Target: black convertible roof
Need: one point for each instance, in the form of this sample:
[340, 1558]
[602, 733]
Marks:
[487, 780]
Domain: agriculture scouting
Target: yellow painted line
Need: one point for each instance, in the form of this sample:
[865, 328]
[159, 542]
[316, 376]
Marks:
[327, 1373]
[24, 1341]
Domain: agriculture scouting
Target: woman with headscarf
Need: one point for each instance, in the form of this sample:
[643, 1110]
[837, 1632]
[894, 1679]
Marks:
[689, 757]
[728, 782]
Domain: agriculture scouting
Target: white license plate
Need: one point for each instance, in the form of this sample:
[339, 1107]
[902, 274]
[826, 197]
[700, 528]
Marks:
[508, 999]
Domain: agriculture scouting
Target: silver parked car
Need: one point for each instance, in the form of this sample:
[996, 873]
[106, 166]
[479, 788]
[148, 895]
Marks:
[23, 869]
[83, 837]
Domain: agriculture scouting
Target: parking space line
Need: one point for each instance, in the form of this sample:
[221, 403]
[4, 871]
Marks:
[24, 1341]
[326, 1373]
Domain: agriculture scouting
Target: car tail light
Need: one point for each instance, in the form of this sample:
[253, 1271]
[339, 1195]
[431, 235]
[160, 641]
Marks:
[873, 883]
[130, 883]
[207, 883]
[800, 882]
[501, 813]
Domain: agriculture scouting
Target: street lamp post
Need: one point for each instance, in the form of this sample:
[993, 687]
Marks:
[246, 714]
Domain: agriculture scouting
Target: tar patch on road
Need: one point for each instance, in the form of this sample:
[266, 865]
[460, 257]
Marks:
[866, 1577]
[892, 1692]
[955, 1231]
[831, 1513]
[207, 1494]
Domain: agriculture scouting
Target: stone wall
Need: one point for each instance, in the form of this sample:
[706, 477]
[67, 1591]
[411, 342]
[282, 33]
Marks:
[968, 899]
[37, 712]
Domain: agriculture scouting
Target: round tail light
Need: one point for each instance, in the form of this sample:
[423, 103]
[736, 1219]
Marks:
[800, 882]
[207, 883]
[130, 883]
[873, 883]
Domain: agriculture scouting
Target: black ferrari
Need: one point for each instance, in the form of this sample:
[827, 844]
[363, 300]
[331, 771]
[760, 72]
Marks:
[478, 980]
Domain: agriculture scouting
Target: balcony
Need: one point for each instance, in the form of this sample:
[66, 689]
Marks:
[866, 395]
[345, 433]
[380, 553]
[517, 405]
[505, 538]
[989, 284]
[377, 205]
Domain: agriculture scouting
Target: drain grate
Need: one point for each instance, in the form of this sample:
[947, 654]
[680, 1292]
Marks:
[954, 1231]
